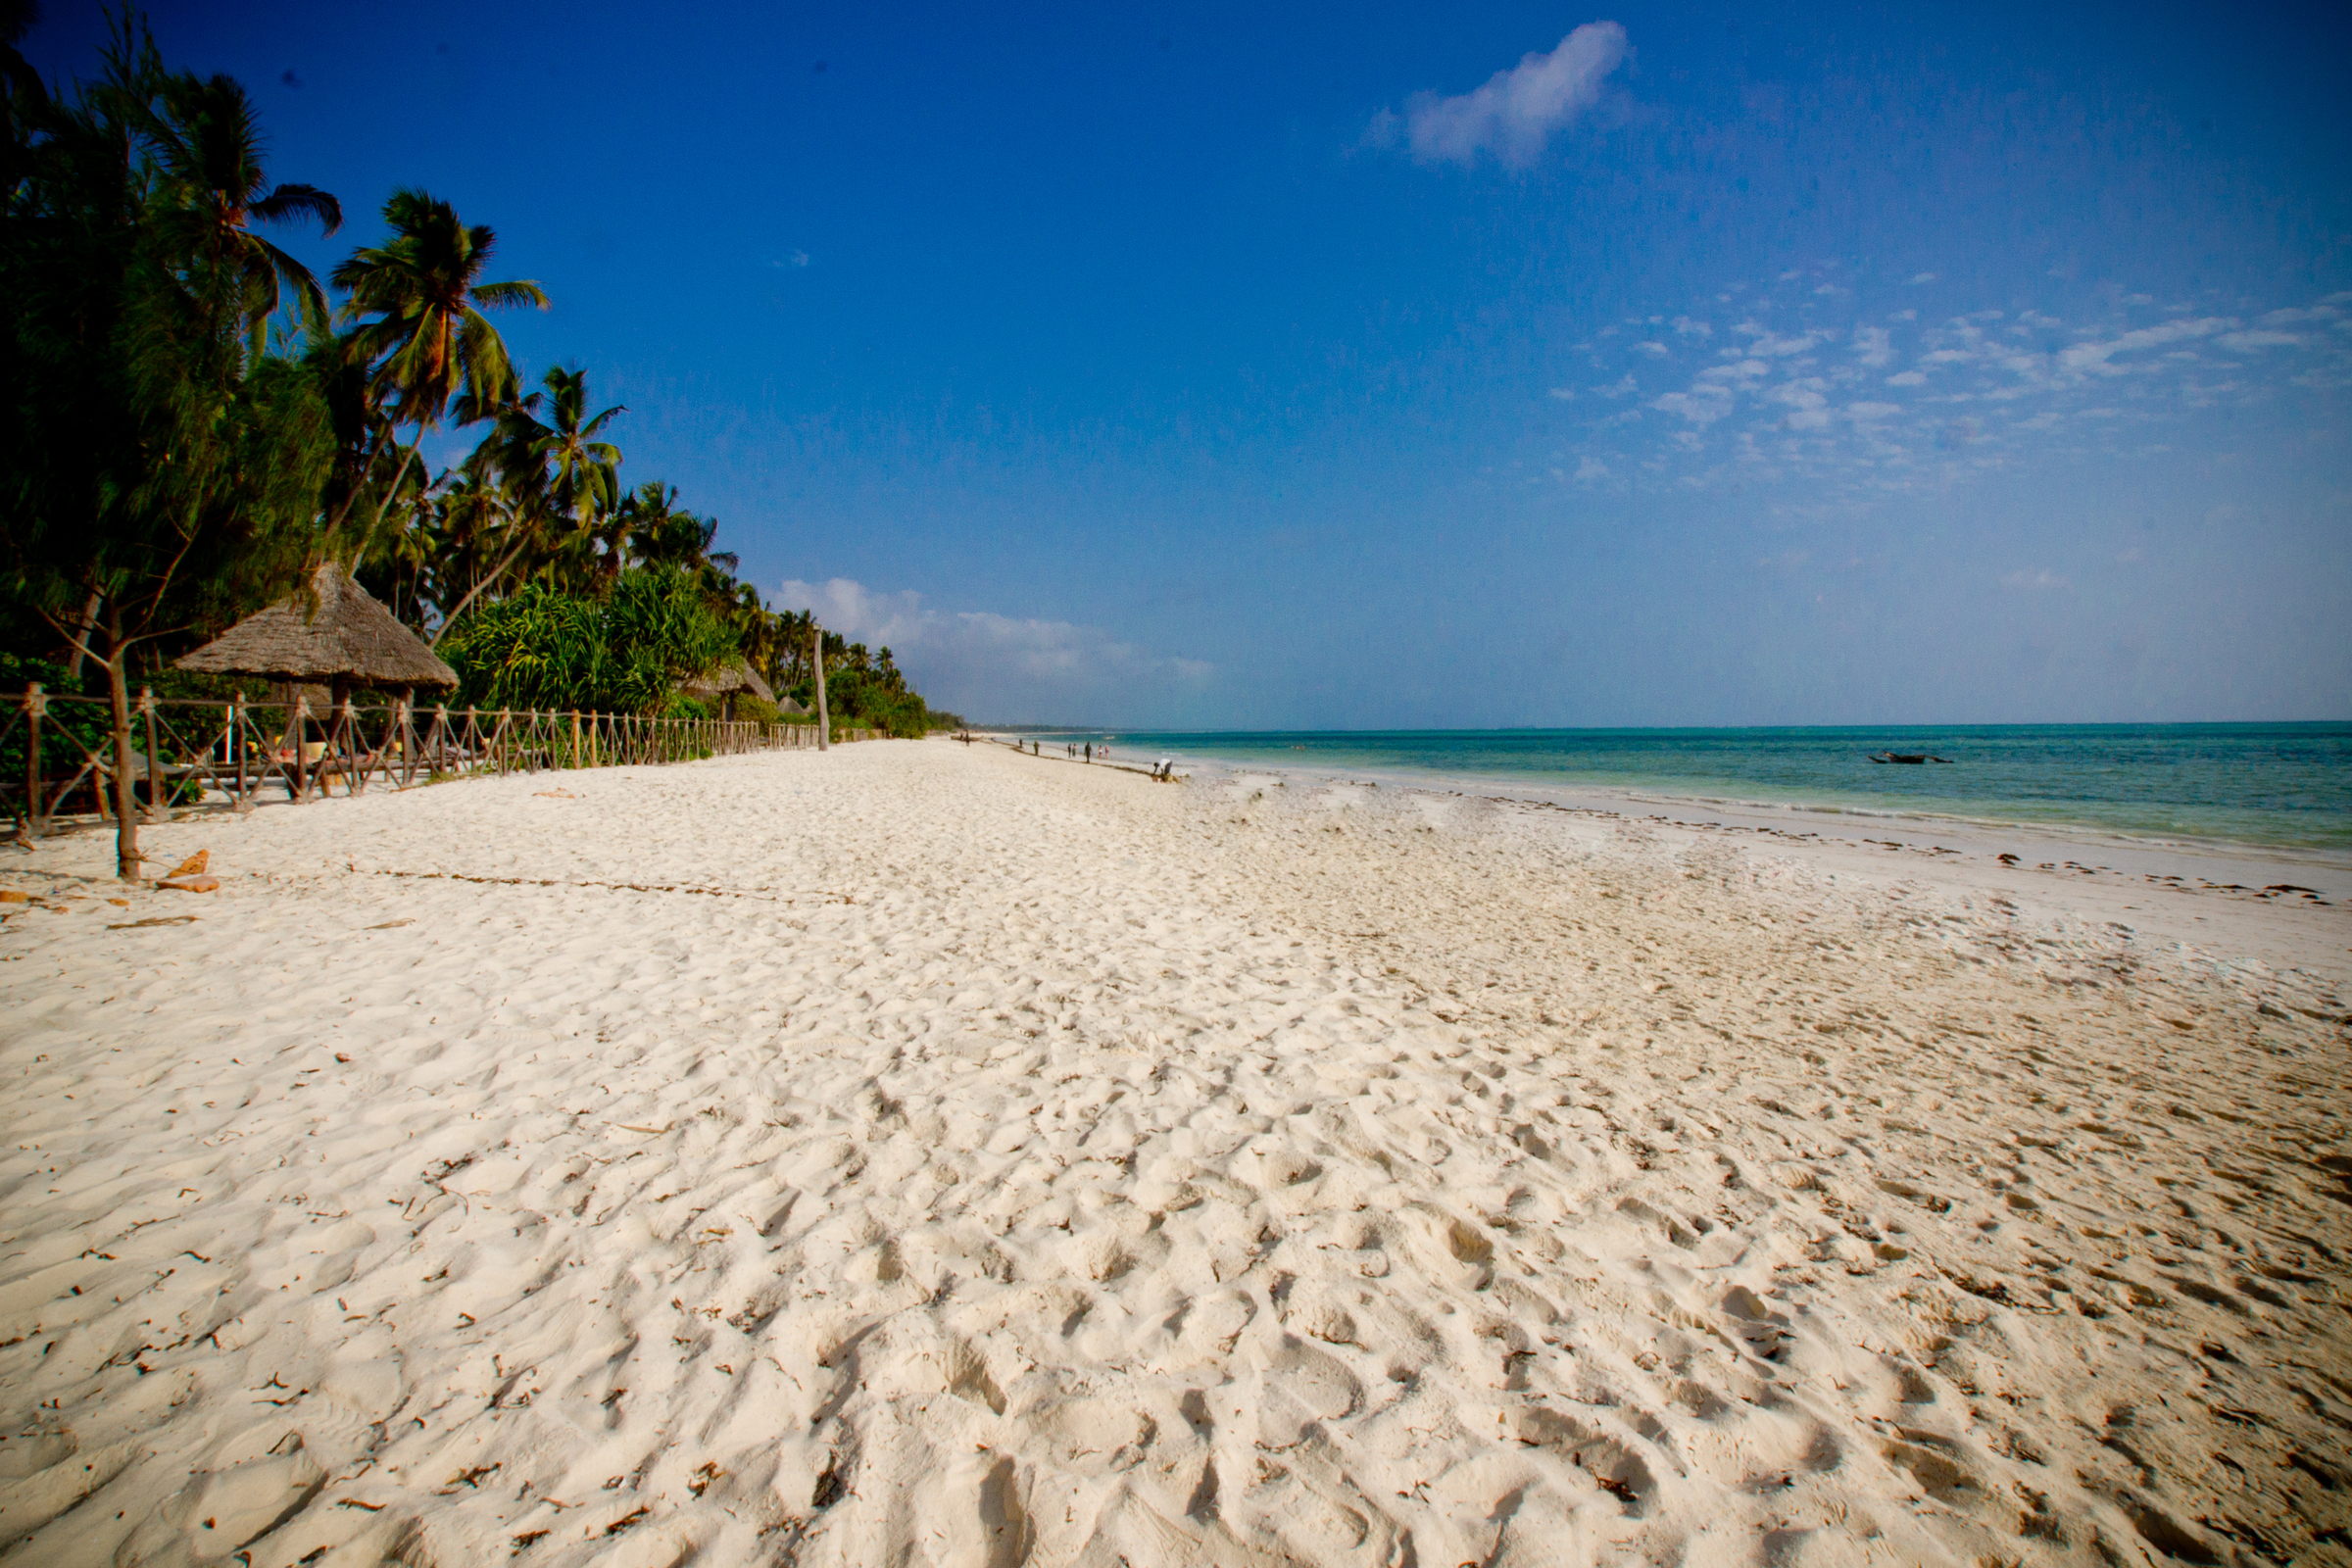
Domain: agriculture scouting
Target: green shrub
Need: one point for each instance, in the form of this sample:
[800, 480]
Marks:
[623, 654]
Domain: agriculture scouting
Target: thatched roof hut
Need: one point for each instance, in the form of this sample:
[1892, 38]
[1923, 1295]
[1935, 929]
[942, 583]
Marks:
[727, 680]
[350, 640]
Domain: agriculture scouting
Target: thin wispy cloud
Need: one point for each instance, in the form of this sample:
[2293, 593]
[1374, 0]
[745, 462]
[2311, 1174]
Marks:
[1516, 111]
[1874, 407]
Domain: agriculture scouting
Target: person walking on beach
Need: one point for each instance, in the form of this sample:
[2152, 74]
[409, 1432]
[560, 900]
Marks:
[1090, 751]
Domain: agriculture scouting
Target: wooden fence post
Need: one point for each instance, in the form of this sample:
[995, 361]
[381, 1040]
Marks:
[35, 705]
[302, 748]
[237, 753]
[155, 761]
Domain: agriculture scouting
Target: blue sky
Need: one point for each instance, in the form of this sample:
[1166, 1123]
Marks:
[1508, 365]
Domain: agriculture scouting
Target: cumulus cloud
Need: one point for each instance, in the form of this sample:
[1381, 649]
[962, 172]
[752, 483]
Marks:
[1517, 110]
[1591, 468]
[1656, 349]
[1000, 667]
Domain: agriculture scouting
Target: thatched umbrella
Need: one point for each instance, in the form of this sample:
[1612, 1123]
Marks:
[724, 683]
[348, 640]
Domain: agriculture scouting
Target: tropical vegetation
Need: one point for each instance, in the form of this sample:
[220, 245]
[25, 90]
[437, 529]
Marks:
[191, 421]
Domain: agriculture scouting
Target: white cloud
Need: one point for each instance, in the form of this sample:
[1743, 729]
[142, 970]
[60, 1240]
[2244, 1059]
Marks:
[1656, 349]
[2092, 359]
[1516, 109]
[1907, 378]
[2034, 581]
[1623, 387]
[1686, 326]
[1770, 342]
[998, 668]
[1591, 468]
[1700, 406]
[2260, 339]
[1566, 394]
[1872, 346]
[2290, 317]
[1922, 278]
[1807, 407]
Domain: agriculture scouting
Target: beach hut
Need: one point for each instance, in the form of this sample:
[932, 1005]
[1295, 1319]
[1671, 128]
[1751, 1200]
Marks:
[348, 640]
[723, 683]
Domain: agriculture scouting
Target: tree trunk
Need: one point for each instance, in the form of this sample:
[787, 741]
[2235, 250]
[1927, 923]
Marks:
[82, 640]
[450, 619]
[118, 691]
[816, 655]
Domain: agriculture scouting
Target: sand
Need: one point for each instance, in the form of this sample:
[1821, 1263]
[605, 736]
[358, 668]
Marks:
[922, 1155]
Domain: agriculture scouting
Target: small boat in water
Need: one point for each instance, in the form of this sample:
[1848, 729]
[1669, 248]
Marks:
[1913, 757]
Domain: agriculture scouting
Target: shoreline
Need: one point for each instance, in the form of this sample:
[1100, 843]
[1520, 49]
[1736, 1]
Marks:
[2130, 882]
[1616, 795]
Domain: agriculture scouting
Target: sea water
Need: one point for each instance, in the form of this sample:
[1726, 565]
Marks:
[2273, 785]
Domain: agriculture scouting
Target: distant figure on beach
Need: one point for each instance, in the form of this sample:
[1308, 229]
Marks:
[1090, 751]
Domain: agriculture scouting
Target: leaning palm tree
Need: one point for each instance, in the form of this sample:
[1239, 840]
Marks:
[212, 190]
[416, 310]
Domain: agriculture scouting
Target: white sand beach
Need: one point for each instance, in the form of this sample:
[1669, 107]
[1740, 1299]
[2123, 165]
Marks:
[922, 1155]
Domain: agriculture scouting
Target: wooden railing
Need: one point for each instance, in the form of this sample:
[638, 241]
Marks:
[193, 755]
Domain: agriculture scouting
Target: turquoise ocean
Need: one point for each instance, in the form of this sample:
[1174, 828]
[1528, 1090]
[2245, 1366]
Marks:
[2277, 786]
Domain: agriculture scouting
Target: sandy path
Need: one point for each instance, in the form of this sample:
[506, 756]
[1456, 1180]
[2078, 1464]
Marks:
[920, 1155]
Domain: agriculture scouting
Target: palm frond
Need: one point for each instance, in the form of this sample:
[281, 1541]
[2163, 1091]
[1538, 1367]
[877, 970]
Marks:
[499, 296]
[292, 203]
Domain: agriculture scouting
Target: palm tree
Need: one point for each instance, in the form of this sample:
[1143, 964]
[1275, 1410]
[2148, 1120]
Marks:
[207, 152]
[417, 302]
[553, 473]
[582, 474]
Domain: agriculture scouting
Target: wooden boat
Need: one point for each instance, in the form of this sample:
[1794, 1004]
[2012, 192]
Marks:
[1911, 758]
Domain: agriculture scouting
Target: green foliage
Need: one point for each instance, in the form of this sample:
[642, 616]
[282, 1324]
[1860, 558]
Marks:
[189, 422]
[622, 654]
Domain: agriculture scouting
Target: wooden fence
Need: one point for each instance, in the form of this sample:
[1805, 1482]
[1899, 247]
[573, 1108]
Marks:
[189, 753]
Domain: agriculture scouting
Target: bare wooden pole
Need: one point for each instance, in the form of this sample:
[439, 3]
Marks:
[816, 660]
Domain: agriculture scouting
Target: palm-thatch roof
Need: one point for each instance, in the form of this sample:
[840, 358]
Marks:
[350, 637]
[736, 677]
